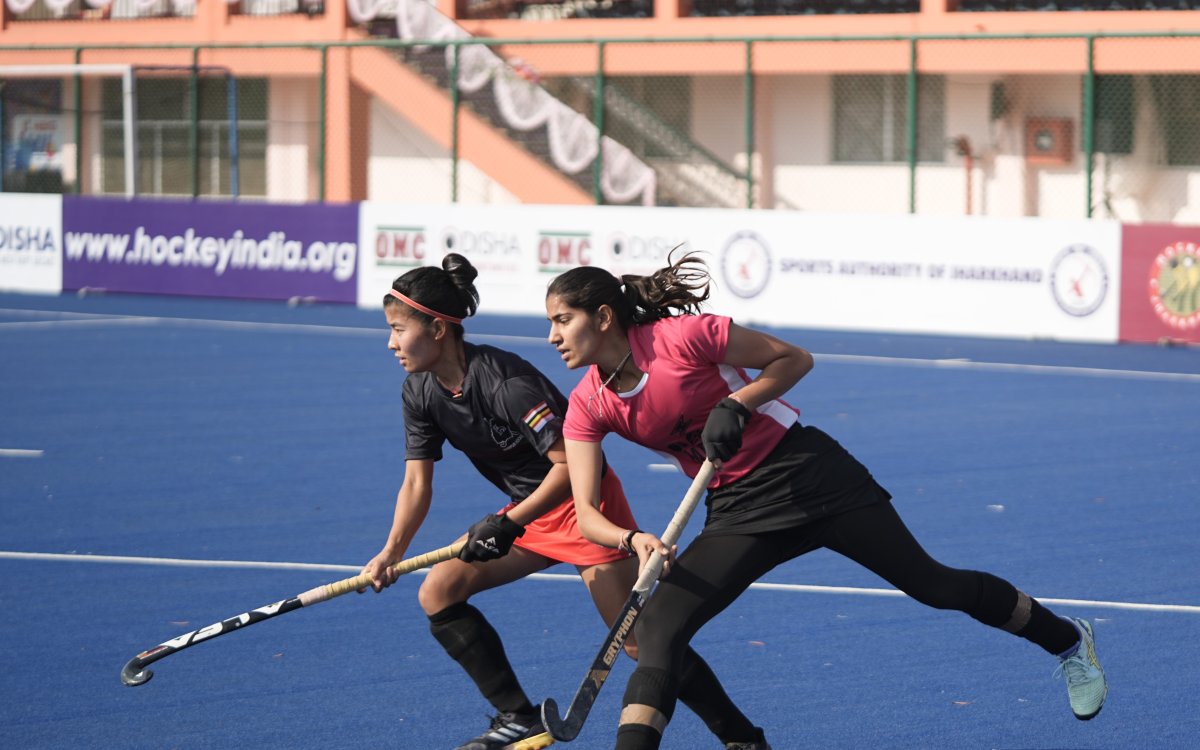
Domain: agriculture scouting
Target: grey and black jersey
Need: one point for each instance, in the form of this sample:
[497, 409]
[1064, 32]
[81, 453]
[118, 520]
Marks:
[506, 418]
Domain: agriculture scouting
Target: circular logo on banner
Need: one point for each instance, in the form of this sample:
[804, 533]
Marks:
[1079, 280]
[746, 264]
[1175, 285]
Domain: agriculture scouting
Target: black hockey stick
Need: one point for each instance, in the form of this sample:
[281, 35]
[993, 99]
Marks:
[135, 673]
[565, 729]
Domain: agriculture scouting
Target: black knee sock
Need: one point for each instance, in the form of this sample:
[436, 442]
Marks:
[648, 686]
[637, 737]
[701, 691]
[1002, 605]
[1048, 630]
[475, 645]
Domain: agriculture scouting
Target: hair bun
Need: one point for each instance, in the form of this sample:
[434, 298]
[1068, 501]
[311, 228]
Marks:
[460, 269]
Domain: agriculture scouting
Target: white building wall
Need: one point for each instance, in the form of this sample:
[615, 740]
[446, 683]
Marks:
[406, 166]
[291, 132]
[795, 138]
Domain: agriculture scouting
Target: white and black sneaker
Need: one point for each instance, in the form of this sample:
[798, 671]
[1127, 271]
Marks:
[512, 732]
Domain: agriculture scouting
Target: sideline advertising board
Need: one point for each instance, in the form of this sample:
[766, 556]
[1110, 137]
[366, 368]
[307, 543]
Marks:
[1014, 278]
[497, 239]
[1160, 287]
[211, 248]
[30, 243]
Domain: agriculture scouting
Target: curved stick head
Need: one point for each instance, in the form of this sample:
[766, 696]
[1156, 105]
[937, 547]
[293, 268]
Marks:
[558, 729]
[133, 677]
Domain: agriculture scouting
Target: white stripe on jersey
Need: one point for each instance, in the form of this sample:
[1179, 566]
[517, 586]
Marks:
[774, 408]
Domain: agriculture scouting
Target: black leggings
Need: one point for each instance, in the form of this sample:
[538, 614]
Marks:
[715, 569]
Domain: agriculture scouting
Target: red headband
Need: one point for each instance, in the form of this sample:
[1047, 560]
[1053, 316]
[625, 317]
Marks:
[418, 306]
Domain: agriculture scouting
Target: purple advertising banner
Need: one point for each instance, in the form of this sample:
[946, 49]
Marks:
[211, 248]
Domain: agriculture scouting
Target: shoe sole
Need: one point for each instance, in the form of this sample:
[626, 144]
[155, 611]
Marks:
[537, 742]
[1089, 717]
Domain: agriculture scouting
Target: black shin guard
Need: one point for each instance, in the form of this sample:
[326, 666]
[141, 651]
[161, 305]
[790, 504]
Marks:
[1002, 605]
[998, 604]
[648, 686]
[701, 691]
[472, 642]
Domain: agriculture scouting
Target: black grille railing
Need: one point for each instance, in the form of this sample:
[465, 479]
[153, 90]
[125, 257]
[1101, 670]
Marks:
[992, 6]
[801, 7]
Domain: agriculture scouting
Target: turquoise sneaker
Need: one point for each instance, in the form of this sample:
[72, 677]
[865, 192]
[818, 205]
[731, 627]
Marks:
[1085, 679]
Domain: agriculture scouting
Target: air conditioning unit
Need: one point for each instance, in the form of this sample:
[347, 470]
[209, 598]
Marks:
[1048, 141]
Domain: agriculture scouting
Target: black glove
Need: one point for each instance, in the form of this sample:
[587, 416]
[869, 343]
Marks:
[490, 539]
[722, 434]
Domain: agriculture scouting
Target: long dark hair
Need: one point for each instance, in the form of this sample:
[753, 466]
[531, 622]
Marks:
[449, 290]
[677, 289]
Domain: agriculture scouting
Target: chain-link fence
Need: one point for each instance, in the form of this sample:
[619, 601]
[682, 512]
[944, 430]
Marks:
[1051, 126]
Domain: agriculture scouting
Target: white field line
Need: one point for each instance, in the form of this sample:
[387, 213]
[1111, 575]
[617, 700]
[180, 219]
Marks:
[21, 453]
[61, 319]
[99, 321]
[73, 319]
[784, 587]
[967, 364]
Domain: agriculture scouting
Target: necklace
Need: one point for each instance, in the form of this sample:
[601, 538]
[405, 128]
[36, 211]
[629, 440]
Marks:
[594, 409]
[617, 371]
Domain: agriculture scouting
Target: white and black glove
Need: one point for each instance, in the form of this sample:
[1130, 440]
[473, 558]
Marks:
[722, 434]
[490, 538]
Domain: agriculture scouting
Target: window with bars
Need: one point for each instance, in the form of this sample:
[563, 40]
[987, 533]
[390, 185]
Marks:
[1177, 99]
[164, 131]
[870, 118]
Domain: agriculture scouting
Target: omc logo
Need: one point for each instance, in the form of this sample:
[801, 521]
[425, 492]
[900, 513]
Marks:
[400, 246]
[746, 264]
[561, 251]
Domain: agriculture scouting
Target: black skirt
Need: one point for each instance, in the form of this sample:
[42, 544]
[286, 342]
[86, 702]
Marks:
[807, 477]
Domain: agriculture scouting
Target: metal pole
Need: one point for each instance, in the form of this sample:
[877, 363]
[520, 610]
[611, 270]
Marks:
[77, 102]
[129, 100]
[322, 85]
[748, 105]
[1089, 116]
[455, 103]
[3, 137]
[911, 126]
[598, 118]
[234, 156]
[194, 121]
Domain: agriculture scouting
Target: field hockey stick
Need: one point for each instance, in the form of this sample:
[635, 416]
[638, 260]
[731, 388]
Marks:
[565, 729]
[135, 673]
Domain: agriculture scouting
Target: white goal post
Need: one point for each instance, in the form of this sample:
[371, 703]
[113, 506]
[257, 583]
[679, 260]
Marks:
[128, 99]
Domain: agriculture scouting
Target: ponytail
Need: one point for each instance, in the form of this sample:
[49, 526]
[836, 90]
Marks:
[679, 288]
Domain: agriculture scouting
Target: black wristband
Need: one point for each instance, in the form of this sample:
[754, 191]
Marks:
[737, 406]
[626, 544]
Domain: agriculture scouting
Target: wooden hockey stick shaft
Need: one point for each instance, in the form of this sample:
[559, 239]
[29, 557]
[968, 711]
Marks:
[135, 672]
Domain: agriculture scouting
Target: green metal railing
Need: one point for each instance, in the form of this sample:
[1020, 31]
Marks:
[748, 75]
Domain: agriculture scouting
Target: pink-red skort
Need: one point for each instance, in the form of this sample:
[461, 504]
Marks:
[556, 535]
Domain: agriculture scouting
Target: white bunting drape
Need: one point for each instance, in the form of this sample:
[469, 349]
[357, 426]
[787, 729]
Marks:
[525, 106]
[180, 7]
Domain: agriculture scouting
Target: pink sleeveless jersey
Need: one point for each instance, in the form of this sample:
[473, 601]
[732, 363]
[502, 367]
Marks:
[683, 358]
